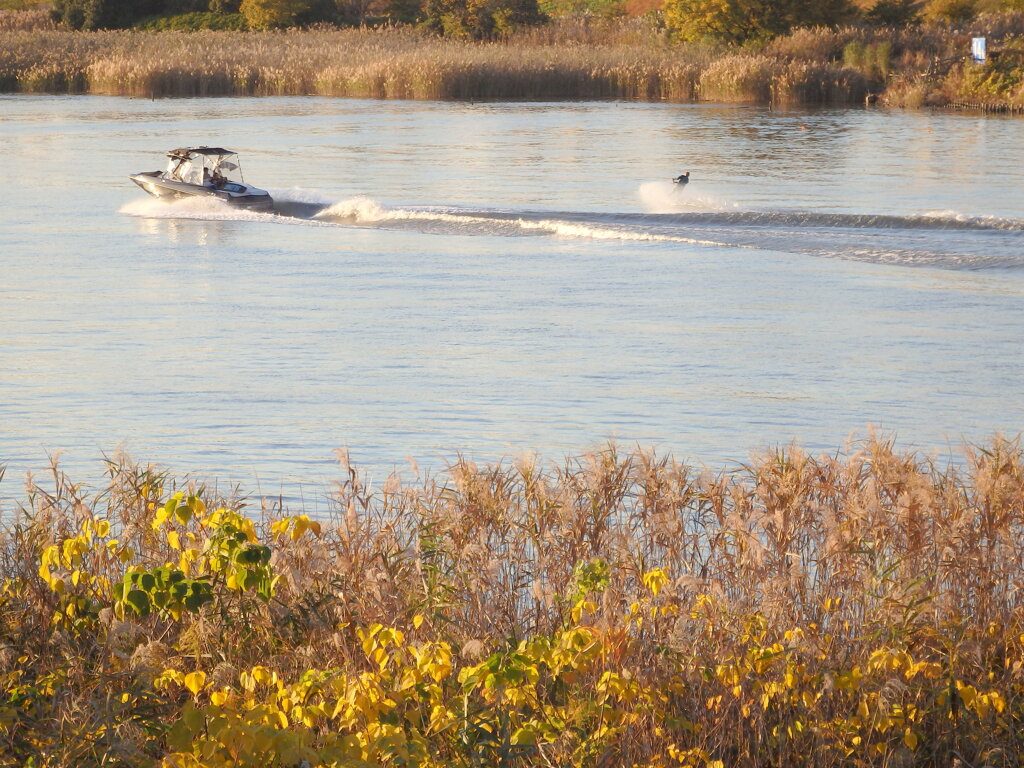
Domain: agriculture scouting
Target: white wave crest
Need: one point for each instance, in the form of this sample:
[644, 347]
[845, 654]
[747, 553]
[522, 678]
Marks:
[361, 209]
[366, 211]
[570, 229]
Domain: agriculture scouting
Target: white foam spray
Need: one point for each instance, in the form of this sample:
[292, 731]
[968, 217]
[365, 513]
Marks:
[188, 208]
[212, 209]
[666, 197]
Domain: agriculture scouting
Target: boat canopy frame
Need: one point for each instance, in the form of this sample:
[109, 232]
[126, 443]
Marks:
[198, 165]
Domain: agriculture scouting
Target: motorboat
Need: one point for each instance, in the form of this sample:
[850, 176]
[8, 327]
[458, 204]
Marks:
[204, 172]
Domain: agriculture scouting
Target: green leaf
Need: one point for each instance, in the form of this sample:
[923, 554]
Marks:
[139, 601]
[197, 600]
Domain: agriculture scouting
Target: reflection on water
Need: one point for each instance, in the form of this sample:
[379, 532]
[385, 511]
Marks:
[497, 278]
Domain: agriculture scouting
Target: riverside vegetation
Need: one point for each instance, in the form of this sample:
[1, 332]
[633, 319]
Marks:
[861, 609]
[572, 59]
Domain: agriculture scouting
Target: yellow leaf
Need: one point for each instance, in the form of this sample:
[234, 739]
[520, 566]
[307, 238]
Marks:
[195, 681]
[417, 620]
[523, 736]
[655, 580]
[174, 540]
[910, 739]
[102, 528]
[217, 698]
[997, 701]
[968, 693]
[577, 612]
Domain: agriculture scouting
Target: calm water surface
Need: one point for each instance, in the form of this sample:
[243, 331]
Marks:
[497, 278]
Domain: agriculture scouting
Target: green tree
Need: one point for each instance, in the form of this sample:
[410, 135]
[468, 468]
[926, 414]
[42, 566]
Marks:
[894, 13]
[737, 21]
[103, 14]
[272, 14]
[600, 8]
[952, 11]
[405, 11]
[176, 7]
[480, 19]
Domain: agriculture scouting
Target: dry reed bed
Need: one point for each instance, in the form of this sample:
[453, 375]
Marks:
[403, 64]
[569, 60]
[848, 610]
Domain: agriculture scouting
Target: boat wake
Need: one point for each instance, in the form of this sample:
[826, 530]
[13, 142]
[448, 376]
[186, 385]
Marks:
[943, 239]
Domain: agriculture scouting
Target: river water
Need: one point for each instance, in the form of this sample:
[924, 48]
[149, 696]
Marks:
[493, 279]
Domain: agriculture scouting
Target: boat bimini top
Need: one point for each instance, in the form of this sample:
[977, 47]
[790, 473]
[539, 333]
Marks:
[198, 165]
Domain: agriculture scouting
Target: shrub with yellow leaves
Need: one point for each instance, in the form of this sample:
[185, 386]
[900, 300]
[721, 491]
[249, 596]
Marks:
[620, 610]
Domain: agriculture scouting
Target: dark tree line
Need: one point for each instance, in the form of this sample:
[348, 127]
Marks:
[479, 19]
[729, 21]
[120, 14]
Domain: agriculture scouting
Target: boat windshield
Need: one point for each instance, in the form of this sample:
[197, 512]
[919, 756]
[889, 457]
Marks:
[197, 168]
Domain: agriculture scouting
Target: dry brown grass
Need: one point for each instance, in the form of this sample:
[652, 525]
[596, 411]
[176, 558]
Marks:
[565, 62]
[386, 63]
[573, 59]
[24, 21]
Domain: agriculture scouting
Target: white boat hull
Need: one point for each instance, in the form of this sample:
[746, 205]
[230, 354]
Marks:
[232, 193]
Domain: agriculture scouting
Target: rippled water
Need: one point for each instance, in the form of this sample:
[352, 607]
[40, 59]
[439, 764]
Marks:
[495, 278]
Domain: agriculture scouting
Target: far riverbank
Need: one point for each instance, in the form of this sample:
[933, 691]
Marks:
[911, 67]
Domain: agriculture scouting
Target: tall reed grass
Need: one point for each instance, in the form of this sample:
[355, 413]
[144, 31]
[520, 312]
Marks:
[561, 63]
[569, 60]
[859, 609]
[388, 63]
[26, 20]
